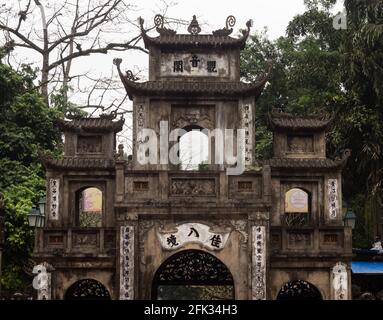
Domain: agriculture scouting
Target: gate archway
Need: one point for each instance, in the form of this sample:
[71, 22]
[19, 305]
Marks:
[299, 290]
[192, 275]
[87, 289]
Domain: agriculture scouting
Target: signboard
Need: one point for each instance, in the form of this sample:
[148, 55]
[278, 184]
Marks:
[188, 64]
[296, 201]
[193, 233]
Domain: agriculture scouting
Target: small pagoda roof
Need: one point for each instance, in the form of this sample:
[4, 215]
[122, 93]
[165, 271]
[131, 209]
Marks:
[220, 88]
[218, 39]
[76, 163]
[286, 121]
[104, 123]
[309, 163]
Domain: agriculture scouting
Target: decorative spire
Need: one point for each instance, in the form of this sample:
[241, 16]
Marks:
[159, 21]
[230, 22]
[194, 27]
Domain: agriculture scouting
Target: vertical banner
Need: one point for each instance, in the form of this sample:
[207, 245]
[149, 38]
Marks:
[332, 192]
[246, 123]
[259, 263]
[127, 263]
[340, 281]
[54, 189]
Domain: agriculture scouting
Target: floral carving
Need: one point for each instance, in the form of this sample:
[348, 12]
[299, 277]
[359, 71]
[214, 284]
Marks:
[193, 187]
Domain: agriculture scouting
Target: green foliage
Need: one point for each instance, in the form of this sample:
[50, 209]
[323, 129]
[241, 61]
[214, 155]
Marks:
[26, 128]
[317, 69]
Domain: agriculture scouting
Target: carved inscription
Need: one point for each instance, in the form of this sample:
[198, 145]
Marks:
[126, 263]
[54, 188]
[259, 263]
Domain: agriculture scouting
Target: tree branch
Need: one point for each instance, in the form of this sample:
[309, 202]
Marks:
[21, 37]
[104, 50]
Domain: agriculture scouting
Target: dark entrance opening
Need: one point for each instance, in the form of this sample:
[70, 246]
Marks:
[87, 289]
[299, 290]
[193, 275]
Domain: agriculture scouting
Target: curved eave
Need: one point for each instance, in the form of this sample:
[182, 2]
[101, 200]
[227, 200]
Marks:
[315, 164]
[77, 126]
[72, 163]
[177, 88]
[296, 123]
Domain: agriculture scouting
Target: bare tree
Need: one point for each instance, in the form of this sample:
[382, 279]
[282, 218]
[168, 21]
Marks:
[69, 30]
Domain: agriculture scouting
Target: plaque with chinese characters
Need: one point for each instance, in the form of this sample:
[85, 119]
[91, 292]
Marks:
[54, 185]
[193, 232]
[332, 189]
[204, 65]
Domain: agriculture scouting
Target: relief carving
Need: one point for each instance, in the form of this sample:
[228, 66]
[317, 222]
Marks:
[89, 144]
[296, 239]
[300, 144]
[192, 117]
[193, 187]
[85, 239]
[241, 227]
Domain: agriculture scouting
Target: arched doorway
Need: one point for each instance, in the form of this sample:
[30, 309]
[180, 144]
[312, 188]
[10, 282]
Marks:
[193, 148]
[193, 275]
[87, 289]
[299, 290]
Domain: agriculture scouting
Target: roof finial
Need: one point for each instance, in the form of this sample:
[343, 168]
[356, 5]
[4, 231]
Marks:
[194, 27]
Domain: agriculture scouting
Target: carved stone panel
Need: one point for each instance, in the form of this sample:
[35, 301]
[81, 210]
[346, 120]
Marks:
[85, 239]
[193, 187]
[89, 144]
[127, 262]
[245, 188]
[259, 263]
[54, 191]
[299, 240]
[333, 200]
[340, 281]
[193, 115]
[300, 144]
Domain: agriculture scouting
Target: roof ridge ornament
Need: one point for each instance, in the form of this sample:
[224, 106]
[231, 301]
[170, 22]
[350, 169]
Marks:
[108, 116]
[230, 23]
[194, 27]
[159, 21]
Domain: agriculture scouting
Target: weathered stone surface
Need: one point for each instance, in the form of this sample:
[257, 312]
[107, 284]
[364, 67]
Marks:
[143, 205]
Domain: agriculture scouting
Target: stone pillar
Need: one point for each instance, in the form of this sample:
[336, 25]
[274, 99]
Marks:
[127, 245]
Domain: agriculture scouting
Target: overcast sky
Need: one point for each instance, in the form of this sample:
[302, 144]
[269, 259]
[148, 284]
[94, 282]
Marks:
[272, 14]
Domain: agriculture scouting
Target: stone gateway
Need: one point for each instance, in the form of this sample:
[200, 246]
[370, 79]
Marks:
[120, 229]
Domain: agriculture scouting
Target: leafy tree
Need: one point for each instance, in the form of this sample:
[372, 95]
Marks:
[339, 72]
[26, 127]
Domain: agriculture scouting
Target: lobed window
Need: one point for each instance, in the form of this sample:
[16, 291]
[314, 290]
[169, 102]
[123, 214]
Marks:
[297, 207]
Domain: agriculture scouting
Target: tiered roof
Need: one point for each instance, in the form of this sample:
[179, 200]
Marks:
[286, 121]
[104, 123]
